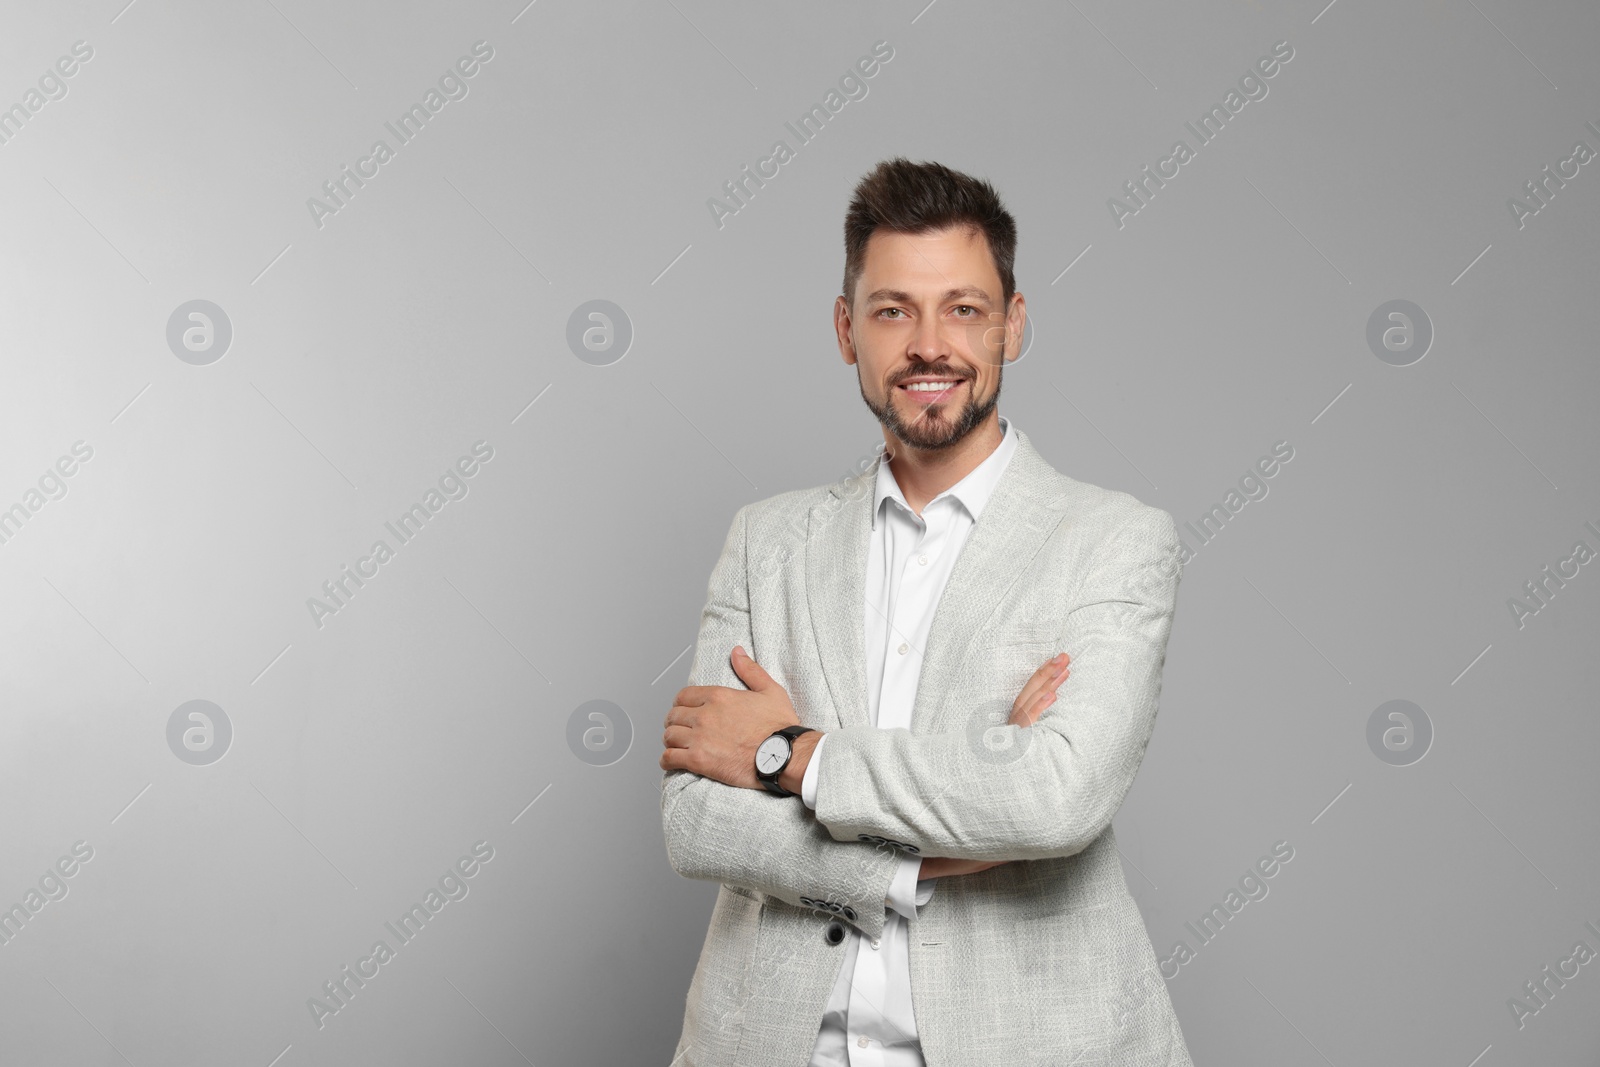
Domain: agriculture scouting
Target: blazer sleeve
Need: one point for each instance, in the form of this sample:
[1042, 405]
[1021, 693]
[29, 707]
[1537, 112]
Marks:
[748, 837]
[1076, 762]
[909, 891]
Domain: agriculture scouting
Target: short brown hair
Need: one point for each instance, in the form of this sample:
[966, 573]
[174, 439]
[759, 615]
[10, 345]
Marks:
[906, 197]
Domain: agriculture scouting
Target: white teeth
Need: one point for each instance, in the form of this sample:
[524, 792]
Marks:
[930, 387]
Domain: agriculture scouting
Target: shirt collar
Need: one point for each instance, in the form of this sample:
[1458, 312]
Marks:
[973, 491]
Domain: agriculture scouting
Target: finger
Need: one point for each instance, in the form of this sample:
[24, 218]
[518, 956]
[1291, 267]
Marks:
[1044, 702]
[682, 716]
[1031, 687]
[749, 671]
[1040, 679]
[695, 695]
[677, 759]
[676, 737]
[1031, 712]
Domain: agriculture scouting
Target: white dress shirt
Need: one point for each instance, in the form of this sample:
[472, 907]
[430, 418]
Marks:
[869, 1020]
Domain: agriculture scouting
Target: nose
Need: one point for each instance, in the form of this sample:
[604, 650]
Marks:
[931, 342]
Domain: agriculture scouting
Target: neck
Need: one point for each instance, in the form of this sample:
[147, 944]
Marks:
[923, 474]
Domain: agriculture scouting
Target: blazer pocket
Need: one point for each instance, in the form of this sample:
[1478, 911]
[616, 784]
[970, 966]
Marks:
[1068, 970]
[1007, 663]
[1023, 633]
[1095, 993]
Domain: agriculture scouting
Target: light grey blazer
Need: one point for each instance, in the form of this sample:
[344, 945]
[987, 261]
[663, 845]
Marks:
[1042, 961]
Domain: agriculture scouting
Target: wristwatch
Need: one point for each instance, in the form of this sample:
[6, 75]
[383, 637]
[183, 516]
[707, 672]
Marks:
[773, 755]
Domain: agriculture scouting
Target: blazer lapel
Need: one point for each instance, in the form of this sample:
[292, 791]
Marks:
[1025, 508]
[836, 578]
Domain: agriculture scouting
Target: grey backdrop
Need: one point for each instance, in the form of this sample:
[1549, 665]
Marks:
[350, 355]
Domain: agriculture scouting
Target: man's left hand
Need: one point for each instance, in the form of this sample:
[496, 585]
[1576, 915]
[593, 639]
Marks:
[714, 730]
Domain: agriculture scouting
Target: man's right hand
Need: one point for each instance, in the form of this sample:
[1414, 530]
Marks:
[1037, 694]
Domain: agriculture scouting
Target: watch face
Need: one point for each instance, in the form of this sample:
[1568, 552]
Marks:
[772, 754]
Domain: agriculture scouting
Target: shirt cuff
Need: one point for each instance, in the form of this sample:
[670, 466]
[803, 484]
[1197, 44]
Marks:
[906, 884]
[808, 781]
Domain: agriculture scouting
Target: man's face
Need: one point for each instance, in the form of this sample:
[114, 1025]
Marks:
[928, 334]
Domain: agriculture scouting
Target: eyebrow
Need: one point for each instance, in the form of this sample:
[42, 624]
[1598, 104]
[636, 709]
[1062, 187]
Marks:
[968, 292]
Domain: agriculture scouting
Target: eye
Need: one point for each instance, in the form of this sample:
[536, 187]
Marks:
[886, 311]
[967, 307]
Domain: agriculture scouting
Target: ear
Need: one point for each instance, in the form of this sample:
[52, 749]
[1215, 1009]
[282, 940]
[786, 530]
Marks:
[1016, 321]
[841, 327]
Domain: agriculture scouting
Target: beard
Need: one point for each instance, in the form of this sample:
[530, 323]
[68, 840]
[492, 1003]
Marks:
[932, 428]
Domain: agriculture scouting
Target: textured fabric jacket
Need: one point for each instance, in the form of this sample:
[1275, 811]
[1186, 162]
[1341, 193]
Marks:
[1040, 961]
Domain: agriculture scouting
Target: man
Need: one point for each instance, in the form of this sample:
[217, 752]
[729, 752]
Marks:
[909, 815]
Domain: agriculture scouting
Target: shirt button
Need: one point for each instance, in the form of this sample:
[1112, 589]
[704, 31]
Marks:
[861, 1041]
[922, 560]
[874, 942]
[904, 648]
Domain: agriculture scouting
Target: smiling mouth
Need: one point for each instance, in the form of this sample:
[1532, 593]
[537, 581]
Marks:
[929, 392]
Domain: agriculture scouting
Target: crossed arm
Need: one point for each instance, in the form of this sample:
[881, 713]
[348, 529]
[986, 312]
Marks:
[1079, 758]
[1076, 762]
[751, 838]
